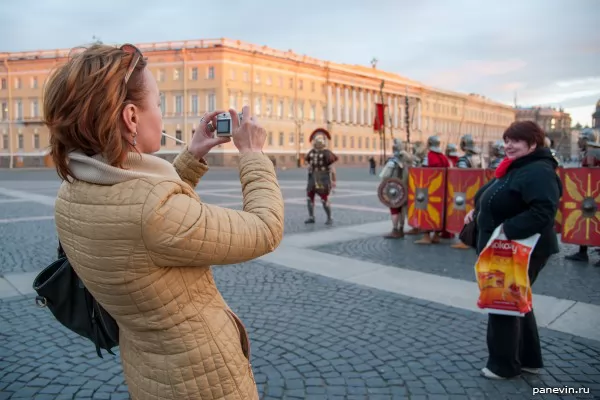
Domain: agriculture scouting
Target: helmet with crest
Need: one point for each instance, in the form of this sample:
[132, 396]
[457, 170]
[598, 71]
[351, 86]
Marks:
[319, 138]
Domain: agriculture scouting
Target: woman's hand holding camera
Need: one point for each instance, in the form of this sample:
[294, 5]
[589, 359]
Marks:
[248, 136]
[203, 140]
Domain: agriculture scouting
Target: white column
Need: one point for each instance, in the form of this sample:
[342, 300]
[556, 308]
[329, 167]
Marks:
[354, 107]
[338, 106]
[396, 111]
[329, 115]
[388, 116]
[369, 108]
[362, 107]
[346, 105]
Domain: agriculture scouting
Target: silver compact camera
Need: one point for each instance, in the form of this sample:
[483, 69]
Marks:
[224, 126]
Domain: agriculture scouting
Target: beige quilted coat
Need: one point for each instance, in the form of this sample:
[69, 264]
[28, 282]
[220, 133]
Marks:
[143, 242]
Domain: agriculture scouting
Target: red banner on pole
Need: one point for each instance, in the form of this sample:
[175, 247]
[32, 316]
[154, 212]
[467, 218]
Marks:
[379, 122]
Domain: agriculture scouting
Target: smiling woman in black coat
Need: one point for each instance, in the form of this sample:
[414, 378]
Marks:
[523, 197]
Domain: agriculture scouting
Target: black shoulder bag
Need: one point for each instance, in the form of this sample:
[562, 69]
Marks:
[60, 289]
[468, 234]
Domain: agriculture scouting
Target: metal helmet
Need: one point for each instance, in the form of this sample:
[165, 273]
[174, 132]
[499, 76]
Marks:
[452, 150]
[498, 149]
[587, 136]
[398, 146]
[467, 144]
[433, 144]
[319, 138]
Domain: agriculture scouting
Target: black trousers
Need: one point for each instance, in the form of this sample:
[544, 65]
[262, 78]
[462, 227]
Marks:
[513, 342]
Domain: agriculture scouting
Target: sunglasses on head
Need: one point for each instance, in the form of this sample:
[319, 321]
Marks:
[137, 56]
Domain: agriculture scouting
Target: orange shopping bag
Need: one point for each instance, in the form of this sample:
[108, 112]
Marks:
[502, 275]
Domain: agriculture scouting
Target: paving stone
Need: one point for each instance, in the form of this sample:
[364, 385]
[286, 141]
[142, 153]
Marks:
[312, 337]
[560, 278]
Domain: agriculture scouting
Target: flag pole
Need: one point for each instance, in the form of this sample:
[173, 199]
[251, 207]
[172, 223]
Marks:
[382, 123]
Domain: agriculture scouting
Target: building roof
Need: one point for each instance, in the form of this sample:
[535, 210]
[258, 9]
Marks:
[264, 50]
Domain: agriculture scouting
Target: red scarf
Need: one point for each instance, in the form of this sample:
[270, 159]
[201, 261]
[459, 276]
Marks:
[503, 167]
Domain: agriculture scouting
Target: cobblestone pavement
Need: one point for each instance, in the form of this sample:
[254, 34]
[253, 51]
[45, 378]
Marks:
[560, 278]
[30, 245]
[312, 338]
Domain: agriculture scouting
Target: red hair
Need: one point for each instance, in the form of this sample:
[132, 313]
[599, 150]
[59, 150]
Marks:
[527, 131]
[83, 102]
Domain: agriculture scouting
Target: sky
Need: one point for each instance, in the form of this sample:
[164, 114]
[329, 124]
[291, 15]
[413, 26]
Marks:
[543, 52]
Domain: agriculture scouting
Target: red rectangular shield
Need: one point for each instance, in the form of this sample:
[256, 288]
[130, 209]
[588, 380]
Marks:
[426, 196]
[461, 186]
[581, 206]
[559, 214]
[489, 174]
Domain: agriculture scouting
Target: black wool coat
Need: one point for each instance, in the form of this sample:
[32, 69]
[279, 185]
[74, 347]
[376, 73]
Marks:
[525, 200]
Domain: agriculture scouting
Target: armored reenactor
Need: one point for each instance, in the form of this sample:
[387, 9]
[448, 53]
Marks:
[470, 157]
[419, 153]
[394, 186]
[321, 174]
[452, 154]
[590, 146]
[550, 144]
[435, 159]
[497, 154]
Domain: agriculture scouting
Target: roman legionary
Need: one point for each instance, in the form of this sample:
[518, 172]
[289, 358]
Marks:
[470, 158]
[497, 154]
[452, 154]
[397, 168]
[419, 152]
[435, 159]
[589, 145]
[549, 143]
[321, 174]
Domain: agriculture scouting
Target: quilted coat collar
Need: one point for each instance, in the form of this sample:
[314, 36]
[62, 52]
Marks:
[96, 170]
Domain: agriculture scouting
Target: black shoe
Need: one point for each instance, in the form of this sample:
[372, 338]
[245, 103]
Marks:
[597, 264]
[579, 257]
[310, 220]
[329, 222]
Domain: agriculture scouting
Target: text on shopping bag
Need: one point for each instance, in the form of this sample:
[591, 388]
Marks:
[502, 272]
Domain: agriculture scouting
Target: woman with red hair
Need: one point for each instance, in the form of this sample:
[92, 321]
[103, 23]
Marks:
[523, 198]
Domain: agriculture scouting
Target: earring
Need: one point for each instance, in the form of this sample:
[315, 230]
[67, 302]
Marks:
[133, 135]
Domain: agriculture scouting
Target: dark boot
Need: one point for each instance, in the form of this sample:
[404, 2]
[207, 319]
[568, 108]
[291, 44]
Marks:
[327, 209]
[581, 255]
[311, 212]
[395, 234]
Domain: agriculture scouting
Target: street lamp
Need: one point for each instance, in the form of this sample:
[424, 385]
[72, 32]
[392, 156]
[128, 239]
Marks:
[299, 142]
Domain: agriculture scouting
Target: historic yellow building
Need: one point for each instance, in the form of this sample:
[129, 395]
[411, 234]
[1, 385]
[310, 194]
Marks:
[292, 94]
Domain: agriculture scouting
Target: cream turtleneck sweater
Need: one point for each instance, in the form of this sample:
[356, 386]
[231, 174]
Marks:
[96, 170]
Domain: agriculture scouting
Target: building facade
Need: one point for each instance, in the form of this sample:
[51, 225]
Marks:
[556, 124]
[290, 93]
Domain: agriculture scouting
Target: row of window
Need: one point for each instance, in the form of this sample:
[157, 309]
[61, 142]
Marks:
[446, 109]
[193, 75]
[18, 110]
[346, 142]
[18, 83]
[369, 143]
[21, 141]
